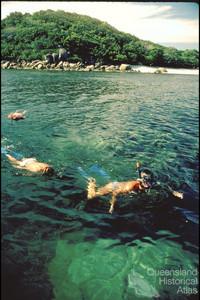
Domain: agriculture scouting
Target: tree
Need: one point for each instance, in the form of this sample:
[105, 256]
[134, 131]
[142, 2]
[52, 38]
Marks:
[190, 58]
[172, 57]
[155, 57]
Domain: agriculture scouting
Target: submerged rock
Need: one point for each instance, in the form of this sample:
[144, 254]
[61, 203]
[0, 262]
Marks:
[142, 287]
[100, 275]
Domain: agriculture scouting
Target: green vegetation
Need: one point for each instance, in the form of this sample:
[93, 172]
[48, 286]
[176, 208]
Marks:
[29, 37]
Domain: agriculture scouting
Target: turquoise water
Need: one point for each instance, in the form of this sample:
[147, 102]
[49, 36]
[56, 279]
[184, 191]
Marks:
[55, 244]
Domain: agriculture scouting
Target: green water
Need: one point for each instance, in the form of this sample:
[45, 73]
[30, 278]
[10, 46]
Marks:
[55, 245]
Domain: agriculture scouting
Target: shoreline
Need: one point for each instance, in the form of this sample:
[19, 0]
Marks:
[66, 66]
[180, 71]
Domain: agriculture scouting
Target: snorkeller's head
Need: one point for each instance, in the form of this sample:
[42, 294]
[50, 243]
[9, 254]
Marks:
[48, 170]
[147, 178]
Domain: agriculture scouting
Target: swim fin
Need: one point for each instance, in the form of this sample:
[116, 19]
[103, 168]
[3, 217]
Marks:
[16, 155]
[98, 170]
[83, 173]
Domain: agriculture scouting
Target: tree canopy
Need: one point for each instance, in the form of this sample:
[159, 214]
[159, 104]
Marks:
[88, 40]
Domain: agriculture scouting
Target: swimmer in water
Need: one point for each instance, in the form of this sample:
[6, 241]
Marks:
[142, 184]
[116, 188]
[30, 164]
[17, 115]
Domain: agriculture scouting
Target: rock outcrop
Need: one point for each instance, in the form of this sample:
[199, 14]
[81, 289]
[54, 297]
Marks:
[63, 54]
[5, 65]
[160, 71]
[125, 67]
[110, 68]
[69, 66]
[55, 58]
[49, 58]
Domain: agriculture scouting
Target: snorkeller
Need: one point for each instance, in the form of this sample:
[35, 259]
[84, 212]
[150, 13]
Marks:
[17, 115]
[30, 164]
[143, 184]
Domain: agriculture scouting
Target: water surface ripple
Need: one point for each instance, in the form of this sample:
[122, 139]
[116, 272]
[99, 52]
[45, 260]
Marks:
[55, 244]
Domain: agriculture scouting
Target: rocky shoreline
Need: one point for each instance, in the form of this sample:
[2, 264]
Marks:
[67, 66]
[63, 65]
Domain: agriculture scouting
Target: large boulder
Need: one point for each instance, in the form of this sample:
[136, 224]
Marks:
[23, 63]
[13, 65]
[110, 68]
[80, 64]
[6, 65]
[40, 66]
[35, 61]
[73, 66]
[89, 68]
[33, 64]
[103, 67]
[66, 65]
[97, 65]
[49, 58]
[52, 58]
[160, 71]
[63, 54]
[55, 58]
[37, 64]
[125, 67]
[59, 65]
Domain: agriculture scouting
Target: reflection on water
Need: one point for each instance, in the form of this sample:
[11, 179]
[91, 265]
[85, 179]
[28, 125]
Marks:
[55, 245]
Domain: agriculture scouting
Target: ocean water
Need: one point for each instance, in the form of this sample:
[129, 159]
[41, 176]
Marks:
[56, 244]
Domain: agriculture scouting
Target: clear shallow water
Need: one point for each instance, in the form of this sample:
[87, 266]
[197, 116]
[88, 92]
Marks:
[57, 246]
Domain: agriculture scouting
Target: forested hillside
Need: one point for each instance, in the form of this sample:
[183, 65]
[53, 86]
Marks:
[29, 37]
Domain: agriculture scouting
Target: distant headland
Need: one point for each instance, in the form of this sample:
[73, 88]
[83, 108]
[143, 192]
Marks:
[67, 41]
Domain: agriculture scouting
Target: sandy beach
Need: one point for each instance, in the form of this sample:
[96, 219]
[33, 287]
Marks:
[145, 69]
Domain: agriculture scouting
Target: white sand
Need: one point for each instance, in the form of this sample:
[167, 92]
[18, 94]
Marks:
[145, 69]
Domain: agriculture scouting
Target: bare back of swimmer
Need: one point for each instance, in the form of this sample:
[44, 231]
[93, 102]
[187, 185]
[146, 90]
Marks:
[17, 115]
[142, 184]
[115, 189]
[30, 164]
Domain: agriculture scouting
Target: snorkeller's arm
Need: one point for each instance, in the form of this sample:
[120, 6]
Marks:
[176, 193]
[12, 159]
[16, 163]
[138, 169]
